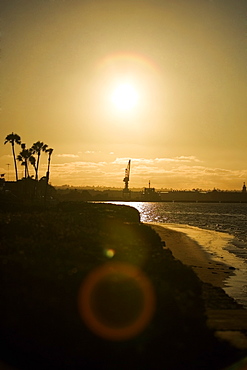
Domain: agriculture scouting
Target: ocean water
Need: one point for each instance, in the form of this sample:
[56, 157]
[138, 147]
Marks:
[219, 228]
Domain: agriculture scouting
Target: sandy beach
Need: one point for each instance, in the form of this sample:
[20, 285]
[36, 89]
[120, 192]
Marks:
[191, 254]
[224, 315]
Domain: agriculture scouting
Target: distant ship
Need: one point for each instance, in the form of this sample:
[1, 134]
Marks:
[150, 195]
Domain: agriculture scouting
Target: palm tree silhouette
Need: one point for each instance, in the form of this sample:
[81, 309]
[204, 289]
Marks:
[36, 149]
[24, 157]
[13, 139]
[32, 160]
[49, 151]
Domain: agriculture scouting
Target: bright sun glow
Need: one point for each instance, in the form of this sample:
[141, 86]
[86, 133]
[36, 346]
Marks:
[125, 97]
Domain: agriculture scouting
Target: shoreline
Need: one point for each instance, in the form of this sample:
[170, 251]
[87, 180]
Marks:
[190, 253]
[225, 316]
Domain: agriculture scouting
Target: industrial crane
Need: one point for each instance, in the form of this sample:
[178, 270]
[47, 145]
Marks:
[126, 190]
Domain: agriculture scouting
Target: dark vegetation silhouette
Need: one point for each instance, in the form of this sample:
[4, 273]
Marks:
[29, 155]
[13, 139]
[37, 148]
[25, 157]
[49, 151]
[28, 189]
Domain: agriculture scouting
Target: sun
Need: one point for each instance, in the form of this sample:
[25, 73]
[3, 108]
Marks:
[124, 97]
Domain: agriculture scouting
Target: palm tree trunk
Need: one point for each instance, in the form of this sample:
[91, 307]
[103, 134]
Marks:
[37, 167]
[48, 168]
[48, 174]
[16, 172]
[26, 169]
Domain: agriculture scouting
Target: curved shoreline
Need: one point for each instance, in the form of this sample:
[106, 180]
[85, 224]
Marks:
[190, 253]
[224, 315]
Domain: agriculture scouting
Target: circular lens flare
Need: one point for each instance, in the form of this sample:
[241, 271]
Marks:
[116, 301]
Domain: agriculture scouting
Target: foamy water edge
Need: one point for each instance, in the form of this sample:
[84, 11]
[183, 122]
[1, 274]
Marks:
[216, 243]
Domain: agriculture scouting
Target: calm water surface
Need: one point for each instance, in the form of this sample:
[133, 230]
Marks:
[220, 228]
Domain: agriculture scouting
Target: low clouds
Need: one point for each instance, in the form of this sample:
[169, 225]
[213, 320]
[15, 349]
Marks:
[183, 172]
[105, 169]
[67, 155]
[151, 161]
[186, 159]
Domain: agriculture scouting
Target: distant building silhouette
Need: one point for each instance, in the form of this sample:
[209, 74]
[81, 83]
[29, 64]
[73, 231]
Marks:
[149, 194]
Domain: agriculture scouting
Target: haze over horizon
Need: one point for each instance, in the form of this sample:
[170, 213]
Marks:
[160, 82]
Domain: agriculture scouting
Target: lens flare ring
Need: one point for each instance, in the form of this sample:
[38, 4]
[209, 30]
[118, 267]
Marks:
[90, 301]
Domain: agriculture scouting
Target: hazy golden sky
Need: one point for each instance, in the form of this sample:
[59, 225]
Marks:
[184, 61]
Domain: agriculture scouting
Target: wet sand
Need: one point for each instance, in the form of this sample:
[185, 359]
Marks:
[225, 316]
[190, 253]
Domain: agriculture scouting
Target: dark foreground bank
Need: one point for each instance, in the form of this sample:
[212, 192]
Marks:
[89, 286]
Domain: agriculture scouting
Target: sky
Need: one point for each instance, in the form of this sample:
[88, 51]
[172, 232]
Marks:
[160, 82]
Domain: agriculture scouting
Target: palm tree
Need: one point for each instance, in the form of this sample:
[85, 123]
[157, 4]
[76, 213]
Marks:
[36, 149]
[49, 151]
[13, 139]
[32, 160]
[24, 157]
